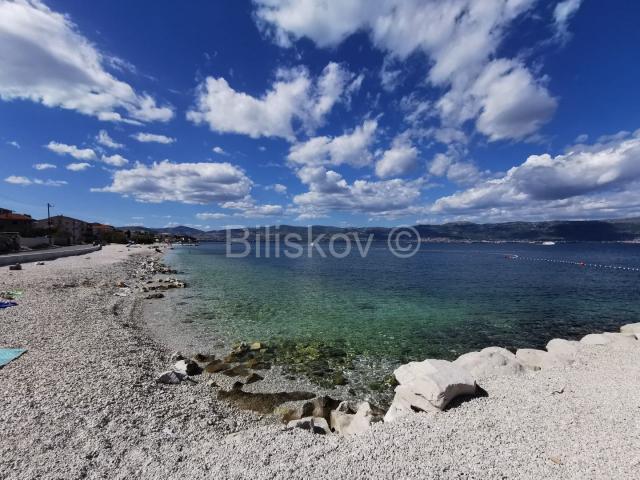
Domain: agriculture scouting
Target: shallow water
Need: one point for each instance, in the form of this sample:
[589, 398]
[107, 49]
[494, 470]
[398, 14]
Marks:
[379, 311]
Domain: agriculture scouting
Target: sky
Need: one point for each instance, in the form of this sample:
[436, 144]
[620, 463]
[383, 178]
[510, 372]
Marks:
[335, 112]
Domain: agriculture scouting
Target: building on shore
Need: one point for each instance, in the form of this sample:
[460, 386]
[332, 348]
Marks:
[15, 222]
[66, 230]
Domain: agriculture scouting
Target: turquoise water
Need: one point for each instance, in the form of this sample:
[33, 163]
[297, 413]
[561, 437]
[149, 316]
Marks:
[446, 300]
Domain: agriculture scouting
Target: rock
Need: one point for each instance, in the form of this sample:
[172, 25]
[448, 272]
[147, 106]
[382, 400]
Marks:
[203, 359]
[436, 382]
[17, 266]
[314, 424]
[255, 346]
[630, 328]
[595, 339]
[40, 263]
[171, 377]
[318, 407]
[121, 284]
[346, 423]
[217, 366]
[538, 359]
[621, 338]
[565, 350]
[237, 371]
[490, 361]
[253, 378]
[175, 356]
[154, 296]
[188, 367]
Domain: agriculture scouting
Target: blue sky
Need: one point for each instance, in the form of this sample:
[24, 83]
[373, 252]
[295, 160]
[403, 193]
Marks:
[345, 112]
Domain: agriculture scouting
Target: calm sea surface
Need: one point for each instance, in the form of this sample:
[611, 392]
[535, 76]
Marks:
[448, 299]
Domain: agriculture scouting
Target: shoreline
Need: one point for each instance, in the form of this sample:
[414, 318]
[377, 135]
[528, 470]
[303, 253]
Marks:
[83, 400]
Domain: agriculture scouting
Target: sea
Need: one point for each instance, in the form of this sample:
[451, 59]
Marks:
[354, 319]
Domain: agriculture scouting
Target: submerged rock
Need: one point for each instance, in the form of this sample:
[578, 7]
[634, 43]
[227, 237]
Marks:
[490, 361]
[261, 402]
[217, 366]
[253, 378]
[237, 371]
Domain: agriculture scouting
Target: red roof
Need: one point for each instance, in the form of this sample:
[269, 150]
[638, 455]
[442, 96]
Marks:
[15, 216]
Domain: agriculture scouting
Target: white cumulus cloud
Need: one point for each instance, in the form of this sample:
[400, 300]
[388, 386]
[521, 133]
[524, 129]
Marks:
[46, 59]
[294, 96]
[44, 166]
[78, 167]
[103, 138]
[72, 150]
[153, 138]
[191, 183]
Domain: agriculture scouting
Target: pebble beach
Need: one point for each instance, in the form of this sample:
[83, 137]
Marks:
[84, 402]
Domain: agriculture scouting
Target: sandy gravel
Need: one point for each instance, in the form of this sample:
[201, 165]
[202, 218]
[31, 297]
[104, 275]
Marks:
[83, 403]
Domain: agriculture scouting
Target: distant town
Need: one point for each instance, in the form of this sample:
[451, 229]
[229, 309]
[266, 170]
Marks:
[20, 231]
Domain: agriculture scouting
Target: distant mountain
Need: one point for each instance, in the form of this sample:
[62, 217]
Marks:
[569, 231]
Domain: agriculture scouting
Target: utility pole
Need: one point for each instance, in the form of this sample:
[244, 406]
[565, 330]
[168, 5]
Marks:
[49, 207]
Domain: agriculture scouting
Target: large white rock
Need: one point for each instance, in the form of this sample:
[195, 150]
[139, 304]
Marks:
[621, 338]
[346, 423]
[435, 382]
[595, 339]
[630, 328]
[565, 350]
[538, 359]
[490, 361]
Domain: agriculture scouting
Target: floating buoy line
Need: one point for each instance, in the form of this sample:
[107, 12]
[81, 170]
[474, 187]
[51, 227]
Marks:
[572, 262]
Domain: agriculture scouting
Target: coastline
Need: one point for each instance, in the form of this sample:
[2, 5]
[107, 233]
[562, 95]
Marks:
[83, 401]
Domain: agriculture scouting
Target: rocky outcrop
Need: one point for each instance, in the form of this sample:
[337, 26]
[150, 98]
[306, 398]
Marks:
[538, 359]
[621, 338]
[428, 385]
[490, 361]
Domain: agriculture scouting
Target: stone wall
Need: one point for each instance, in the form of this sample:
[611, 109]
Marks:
[9, 242]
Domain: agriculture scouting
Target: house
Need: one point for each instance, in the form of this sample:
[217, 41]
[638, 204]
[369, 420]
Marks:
[66, 230]
[15, 222]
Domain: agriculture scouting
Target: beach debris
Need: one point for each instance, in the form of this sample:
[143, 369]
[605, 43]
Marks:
[10, 354]
[8, 304]
[349, 419]
[171, 377]
[40, 263]
[538, 359]
[490, 361]
[429, 385]
[317, 425]
[630, 328]
[595, 339]
[566, 350]
[188, 367]
[17, 266]
[12, 295]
